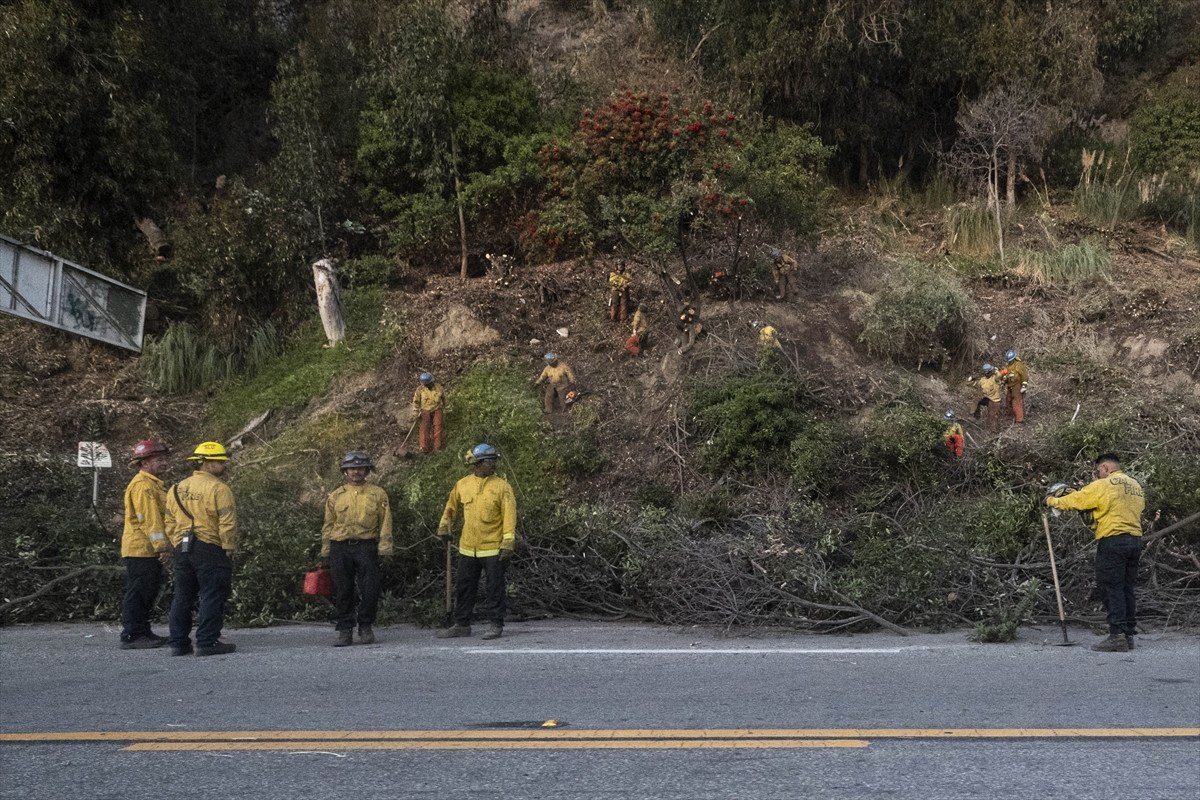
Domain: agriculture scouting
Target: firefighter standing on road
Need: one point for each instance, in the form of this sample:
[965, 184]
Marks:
[489, 530]
[202, 525]
[1018, 381]
[1114, 502]
[356, 534]
[429, 400]
[558, 378]
[144, 545]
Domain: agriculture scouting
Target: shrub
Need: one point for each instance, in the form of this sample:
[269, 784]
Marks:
[747, 420]
[1003, 625]
[369, 271]
[971, 229]
[902, 443]
[1093, 433]
[1164, 132]
[812, 451]
[919, 316]
[185, 358]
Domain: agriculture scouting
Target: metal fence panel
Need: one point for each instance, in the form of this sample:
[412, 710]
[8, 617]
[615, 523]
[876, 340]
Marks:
[42, 287]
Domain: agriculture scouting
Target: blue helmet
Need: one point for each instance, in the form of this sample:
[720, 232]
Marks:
[949, 413]
[356, 458]
[988, 368]
[425, 377]
[483, 452]
[550, 356]
[1010, 356]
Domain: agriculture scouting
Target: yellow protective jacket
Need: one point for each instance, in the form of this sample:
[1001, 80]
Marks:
[357, 512]
[784, 265]
[990, 386]
[1018, 374]
[954, 430]
[558, 375]
[489, 515]
[1116, 503]
[426, 399]
[619, 282]
[640, 325]
[767, 338]
[210, 502]
[145, 532]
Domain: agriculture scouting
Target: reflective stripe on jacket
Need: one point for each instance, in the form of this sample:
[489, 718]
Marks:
[145, 532]
[210, 502]
[489, 515]
[1116, 503]
[357, 512]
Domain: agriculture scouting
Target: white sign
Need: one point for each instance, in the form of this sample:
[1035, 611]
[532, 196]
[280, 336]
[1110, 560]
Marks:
[94, 455]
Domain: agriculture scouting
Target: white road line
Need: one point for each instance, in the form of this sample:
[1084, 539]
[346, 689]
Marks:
[693, 651]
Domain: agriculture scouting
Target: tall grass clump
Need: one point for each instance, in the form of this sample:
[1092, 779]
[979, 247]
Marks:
[1071, 265]
[919, 316]
[1104, 196]
[185, 359]
[971, 228]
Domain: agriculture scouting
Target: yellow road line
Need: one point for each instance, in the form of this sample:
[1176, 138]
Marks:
[565, 744]
[556, 734]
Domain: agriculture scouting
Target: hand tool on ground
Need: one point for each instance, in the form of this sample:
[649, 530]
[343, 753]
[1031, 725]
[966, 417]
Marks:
[1062, 617]
[403, 451]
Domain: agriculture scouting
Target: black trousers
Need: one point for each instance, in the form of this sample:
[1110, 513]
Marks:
[143, 580]
[204, 578]
[466, 586]
[354, 562]
[1116, 575]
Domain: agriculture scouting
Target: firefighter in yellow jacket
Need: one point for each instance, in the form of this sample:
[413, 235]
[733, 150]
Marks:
[991, 384]
[1017, 382]
[619, 283]
[356, 534]
[428, 401]
[784, 269]
[1112, 506]
[202, 526]
[144, 545]
[558, 378]
[489, 530]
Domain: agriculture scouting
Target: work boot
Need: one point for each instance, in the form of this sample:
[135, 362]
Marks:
[216, 649]
[345, 638]
[143, 643]
[494, 632]
[366, 635]
[184, 649]
[1129, 640]
[1113, 644]
[454, 632]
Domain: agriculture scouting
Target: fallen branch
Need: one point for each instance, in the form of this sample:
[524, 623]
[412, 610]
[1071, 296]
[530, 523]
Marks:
[1159, 534]
[60, 579]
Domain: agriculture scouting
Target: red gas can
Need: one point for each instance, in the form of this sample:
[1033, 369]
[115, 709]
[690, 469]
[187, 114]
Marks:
[318, 582]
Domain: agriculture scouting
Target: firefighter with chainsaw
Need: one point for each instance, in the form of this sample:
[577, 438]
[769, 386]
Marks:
[953, 436]
[636, 342]
[428, 401]
[558, 377]
[1017, 383]
[1112, 506]
[619, 284]
[991, 385]
[145, 549]
[784, 269]
[357, 533]
[201, 523]
[489, 530]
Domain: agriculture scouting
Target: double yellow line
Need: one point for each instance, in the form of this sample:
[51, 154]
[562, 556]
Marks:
[566, 739]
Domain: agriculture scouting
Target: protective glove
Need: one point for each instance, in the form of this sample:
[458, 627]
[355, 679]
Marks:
[505, 556]
[1057, 490]
[1024, 386]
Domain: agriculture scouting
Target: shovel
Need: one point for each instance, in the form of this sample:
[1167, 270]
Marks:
[403, 451]
[1062, 617]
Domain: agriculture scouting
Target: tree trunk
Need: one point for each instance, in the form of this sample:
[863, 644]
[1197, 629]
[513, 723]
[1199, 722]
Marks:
[1011, 177]
[155, 238]
[462, 218]
[329, 300]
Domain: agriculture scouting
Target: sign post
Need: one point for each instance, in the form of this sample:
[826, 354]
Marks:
[94, 456]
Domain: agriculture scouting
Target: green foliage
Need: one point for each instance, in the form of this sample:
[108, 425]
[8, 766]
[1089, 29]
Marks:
[995, 525]
[185, 359]
[811, 453]
[748, 420]
[1070, 265]
[902, 443]
[1095, 431]
[920, 316]
[307, 368]
[1003, 625]
[781, 171]
[1172, 482]
[369, 271]
[1164, 132]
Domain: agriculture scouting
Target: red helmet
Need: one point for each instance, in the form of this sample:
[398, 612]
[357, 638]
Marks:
[147, 448]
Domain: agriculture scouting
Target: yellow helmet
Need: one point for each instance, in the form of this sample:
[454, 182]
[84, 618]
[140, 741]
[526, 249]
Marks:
[209, 451]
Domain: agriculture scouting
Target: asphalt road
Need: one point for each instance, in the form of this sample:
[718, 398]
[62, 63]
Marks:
[641, 712]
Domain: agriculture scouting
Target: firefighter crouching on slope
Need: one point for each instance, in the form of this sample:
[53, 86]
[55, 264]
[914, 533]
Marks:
[636, 342]
[356, 534]
[144, 545]
[1018, 382]
[1112, 506]
[953, 437]
[489, 531]
[784, 269]
[558, 378]
[428, 401]
[202, 525]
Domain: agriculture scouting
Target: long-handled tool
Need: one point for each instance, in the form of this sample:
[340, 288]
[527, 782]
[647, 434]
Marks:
[449, 586]
[1062, 616]
[403, 451]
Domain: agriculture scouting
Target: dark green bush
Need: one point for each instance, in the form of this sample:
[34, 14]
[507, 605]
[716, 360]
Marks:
[920, 317]
[748, 420]
[811, 453]
[1093, 432]
[902, 443]
[1164, 132]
